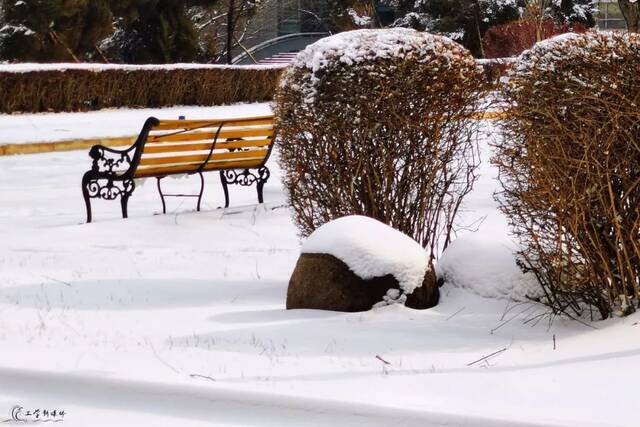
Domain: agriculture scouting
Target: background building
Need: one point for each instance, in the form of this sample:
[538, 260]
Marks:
[609, 16]
[284, 26]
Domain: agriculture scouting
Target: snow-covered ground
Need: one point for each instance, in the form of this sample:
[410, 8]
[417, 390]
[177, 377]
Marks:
[179, 319]
[109, 123]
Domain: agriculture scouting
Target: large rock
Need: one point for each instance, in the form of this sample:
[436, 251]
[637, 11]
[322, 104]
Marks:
[427, 295]
[322, 281]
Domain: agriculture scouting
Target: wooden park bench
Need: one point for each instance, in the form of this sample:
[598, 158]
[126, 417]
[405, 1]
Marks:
[237, 148]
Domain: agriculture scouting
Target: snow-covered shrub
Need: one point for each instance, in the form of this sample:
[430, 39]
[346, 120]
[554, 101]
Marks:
[570, 170]
[379, 123]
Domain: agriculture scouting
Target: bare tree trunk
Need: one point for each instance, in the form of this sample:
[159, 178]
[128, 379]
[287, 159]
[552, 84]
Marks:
[230, 30]
[542, 11]
[631, 12]
[536, 12]
[476, 13]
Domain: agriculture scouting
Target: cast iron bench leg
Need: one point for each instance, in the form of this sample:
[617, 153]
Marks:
[87, 198]
[162, 195]
[260, 188]
[164, 205]
[245, 179]
[201, 190]
[123, 201]
[225, 188]
[263, 177]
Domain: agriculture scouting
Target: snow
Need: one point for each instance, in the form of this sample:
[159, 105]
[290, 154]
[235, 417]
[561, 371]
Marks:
[180, 319]
[499, 61]
[360, 21]
[487, 269]
[545, 54]
[27, 67]
[371, 249]
[416, 20]
[108, 123]
[13, 29]
[560, 38]
[365, 46]
[551, 56]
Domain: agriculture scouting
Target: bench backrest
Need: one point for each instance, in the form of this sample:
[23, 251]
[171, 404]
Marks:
[188, 146]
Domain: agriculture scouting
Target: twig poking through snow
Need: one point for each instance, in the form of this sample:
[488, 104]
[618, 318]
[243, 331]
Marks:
[454, 314]
[283, 206]
[58, 281]
[160, 359]
[487, 357]
[554, 342]
[382, 360]
[513, 317]
[202, 376]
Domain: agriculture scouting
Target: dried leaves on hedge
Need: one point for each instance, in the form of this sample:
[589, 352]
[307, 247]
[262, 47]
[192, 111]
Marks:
[378, 123]
[84, 90]
[570, 170]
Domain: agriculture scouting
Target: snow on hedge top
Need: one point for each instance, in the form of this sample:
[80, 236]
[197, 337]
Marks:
[27, 67]
[560, 58]
[545, 55]
[371, 249]
[352, 47]
[366, 46]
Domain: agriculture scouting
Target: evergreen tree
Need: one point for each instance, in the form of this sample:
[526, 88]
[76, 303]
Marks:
[462, 20]
[468, 20]
[160, 31]
[151, 31]
[582, 11]
[52, 30]
[224, 27]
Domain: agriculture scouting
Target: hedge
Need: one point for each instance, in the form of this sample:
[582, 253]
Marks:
[569, 167]
[380, 123]
[36, 88]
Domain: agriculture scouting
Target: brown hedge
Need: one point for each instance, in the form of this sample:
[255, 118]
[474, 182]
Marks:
[382, 127]
[570, 170]
[86, 89]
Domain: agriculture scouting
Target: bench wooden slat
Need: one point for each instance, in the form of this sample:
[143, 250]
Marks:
[173, 170]
[172, 147]
[206, 146]
[163, 171]
[204, 136]
[195, 124]
[201, 158]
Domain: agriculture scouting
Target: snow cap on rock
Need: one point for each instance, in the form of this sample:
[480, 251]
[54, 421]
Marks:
[371, 249]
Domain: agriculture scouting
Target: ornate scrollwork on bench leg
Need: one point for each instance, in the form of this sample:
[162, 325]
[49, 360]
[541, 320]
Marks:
[245, 178]
[106, 180]
[106, 189]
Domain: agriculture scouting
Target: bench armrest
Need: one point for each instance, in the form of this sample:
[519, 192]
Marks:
[110, 162]
[98, 151]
